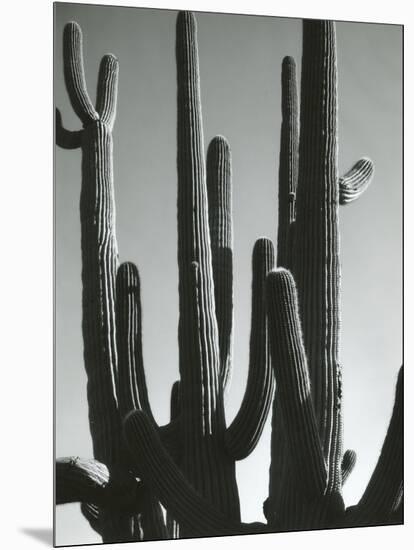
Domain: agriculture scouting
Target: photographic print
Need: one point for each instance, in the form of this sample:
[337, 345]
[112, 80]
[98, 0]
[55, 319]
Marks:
[228, 274]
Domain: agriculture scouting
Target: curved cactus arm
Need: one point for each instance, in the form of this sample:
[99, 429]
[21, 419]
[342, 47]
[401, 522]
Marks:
[166, 480]
[107, 89]
[384, 491]
[288, 161]
[316, 265]
[292, 379]
[355, 181]
[244, 432]
[75, 74]
[66, 138]
[132, 387]
[221, 235]
[348, 464]
[87, 480]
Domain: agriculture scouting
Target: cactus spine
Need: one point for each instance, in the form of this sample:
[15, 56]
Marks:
[188, 465]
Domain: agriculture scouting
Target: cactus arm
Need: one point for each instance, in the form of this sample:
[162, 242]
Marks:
[288, 161]
[66, 138]
[316, 266]
[221, 234]
[167, 481]
[75, 74]
[383, 494]
[292, 378]
[245, 430]
[355, 181]
[348, 464]
[90, 481]
[107, 89]
[132, 387]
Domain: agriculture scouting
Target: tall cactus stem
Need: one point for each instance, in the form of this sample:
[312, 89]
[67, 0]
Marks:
[203, 460]
[99, 265]
[288, 179]
[193, 236]
[316, 265]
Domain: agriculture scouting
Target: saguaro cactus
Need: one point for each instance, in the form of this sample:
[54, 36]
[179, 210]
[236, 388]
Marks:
[308, 466]
[188, 465]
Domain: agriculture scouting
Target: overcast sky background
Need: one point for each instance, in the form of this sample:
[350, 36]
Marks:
[240, 60]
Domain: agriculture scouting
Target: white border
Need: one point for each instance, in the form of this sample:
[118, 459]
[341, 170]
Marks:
[27, 255]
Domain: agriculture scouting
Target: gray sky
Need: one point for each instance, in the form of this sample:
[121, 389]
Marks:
[240, 60]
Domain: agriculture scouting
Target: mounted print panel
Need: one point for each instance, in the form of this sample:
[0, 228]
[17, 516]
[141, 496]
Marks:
[228, 253]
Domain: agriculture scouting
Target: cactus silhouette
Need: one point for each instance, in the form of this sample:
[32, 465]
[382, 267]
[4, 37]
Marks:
[188, 466]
